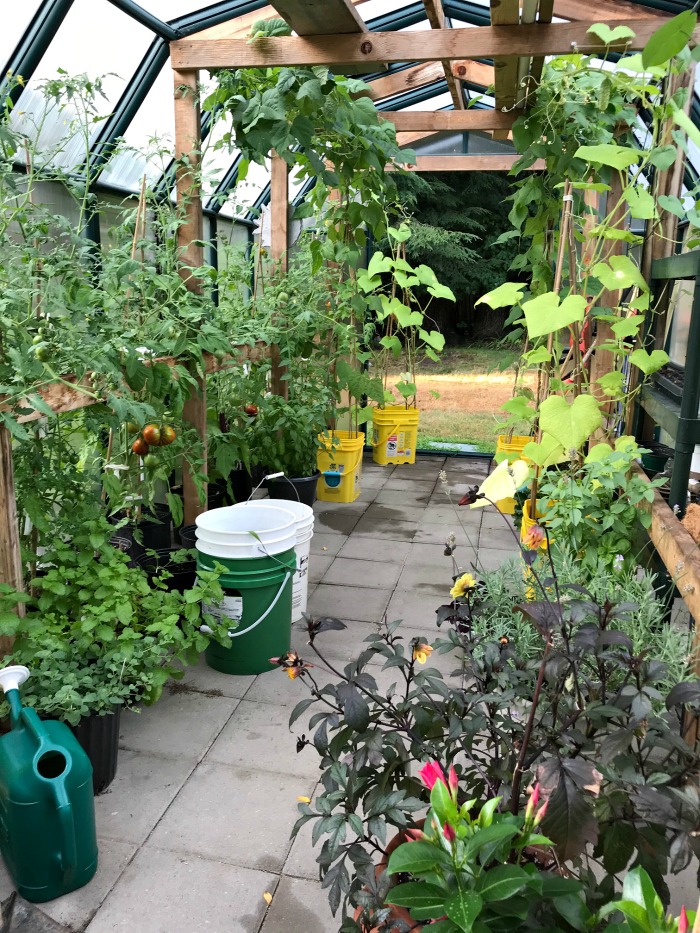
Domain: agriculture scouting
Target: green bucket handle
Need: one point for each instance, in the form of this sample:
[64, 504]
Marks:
[237, 634]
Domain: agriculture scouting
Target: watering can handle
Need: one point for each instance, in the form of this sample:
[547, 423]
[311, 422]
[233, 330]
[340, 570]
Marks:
[69, 851]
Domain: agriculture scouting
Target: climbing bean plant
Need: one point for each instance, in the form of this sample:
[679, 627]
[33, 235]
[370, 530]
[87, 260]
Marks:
[584, 123]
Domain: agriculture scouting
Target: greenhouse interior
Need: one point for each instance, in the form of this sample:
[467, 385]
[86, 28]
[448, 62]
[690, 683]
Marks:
[349, 476]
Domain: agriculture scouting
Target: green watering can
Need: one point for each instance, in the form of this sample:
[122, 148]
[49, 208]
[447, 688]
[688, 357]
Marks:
[47, 808]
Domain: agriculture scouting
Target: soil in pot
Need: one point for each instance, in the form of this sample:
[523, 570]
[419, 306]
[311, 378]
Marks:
[299, 489]
[99, 737]
[183, 574]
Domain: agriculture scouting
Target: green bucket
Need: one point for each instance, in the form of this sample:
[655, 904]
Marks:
[258, 596]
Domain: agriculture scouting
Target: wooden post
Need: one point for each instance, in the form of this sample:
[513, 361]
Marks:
[279, 245]
[10, 555]
[189, 237]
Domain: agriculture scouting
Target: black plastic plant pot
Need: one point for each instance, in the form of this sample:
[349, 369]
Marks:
[188, 536]
[241, 484]
[155, 531]
[298, 489]
[183, 574]
[216, 495]
[99, 737]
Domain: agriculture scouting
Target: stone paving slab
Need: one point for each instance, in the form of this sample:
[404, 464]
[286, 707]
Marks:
[318, 565]
[203, 679]
[386, 515]
[386, 529]
[419, 487]
[276, 688]
[238, 815]
[324, 542]
[143, 789]
[180, 725]
[437, 533]
[338, 646]
[360, 547]
[362, 604]
[402, 498]
[301, 906]
[166, 892]
[259, 733]
[336, 521]
[345, 571]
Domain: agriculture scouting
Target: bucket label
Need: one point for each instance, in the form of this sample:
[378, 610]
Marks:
[231, 608]
[395, 445]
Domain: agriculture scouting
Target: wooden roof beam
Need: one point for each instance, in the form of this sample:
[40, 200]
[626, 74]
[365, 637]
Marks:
[240, 26]
[457, 121]
[474, 73]
[472, 42]
[606, 10]
[320, 17]
[436, 18]
[470, 163]
[405, 80]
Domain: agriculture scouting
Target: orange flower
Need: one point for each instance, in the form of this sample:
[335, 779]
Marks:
[535, 537]
[421, 652]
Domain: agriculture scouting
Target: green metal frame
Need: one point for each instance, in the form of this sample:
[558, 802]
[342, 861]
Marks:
[681, 421]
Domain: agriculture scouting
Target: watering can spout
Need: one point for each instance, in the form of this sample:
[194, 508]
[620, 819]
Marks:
[11, 679]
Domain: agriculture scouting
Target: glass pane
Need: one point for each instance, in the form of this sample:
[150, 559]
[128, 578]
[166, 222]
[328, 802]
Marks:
[15, 19]
[171, 9]
[246, 192]
[97, 40]
[373, 8]
[155, 120]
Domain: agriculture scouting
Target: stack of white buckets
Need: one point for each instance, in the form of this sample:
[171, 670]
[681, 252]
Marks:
[258, 529]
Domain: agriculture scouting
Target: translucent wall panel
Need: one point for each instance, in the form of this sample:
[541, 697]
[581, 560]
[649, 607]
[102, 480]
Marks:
[95, 39]
[15, 19]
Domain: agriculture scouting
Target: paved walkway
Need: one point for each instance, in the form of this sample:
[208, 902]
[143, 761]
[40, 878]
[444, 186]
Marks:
[194, 831]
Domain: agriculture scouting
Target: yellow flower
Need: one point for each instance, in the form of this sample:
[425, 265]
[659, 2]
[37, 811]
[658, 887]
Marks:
[304, 799]
[421, 652]
[462, 584]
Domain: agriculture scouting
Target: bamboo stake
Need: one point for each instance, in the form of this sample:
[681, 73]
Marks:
[543, 377]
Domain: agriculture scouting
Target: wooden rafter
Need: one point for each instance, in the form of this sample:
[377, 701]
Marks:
[470, 163]
[240, 26]
[477, 73]
[393, 47]
[606, 10]
[314, 17]
[405, 80]
[437, 121]
[436, 18]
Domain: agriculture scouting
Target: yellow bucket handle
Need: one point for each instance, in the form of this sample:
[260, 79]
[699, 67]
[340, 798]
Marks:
[394, 430]
[355, 464]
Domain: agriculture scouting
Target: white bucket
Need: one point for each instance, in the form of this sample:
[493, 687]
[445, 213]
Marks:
[242, 531]
[304, 516]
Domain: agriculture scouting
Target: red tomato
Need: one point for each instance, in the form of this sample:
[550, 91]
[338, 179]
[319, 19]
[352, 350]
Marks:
[151, 434]
[140, 447]
[167, 435]
[251, 410]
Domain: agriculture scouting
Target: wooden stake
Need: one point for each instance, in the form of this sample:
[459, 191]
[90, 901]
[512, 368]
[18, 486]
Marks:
[279, 245]
[10, 553]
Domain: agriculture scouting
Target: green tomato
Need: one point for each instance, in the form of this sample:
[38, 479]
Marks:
[150, 461]
[41, 351]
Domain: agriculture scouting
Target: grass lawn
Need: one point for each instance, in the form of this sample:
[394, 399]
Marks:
[472, 382]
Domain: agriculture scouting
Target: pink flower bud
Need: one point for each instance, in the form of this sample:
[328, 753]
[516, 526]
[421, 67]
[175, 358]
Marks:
[683, 921]
[452, 779]
[449, 833]
[431, 773]
[539, 816]
[532, 802]
[415, 835]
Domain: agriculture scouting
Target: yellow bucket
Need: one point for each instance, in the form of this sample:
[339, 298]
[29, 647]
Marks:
[340, 465]
[510, 449]
[395, 434]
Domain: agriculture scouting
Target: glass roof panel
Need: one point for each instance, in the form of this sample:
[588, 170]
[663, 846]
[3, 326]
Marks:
[95, 39]
[244, 195]
[15, 19]
[373, 8]
[154, 120]
[171, 9]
